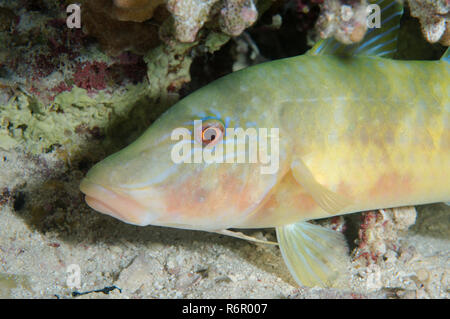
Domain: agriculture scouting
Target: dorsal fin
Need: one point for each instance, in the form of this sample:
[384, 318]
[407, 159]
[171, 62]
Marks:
[446, 55]
[377, 41]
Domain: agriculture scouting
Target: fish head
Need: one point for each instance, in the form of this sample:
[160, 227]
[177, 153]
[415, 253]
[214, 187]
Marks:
[155, 181]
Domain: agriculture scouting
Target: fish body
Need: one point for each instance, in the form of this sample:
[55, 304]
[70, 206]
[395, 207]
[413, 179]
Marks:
[373, 130]
[351, 130]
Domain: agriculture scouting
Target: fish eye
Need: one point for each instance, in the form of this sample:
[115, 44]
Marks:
[212, 132]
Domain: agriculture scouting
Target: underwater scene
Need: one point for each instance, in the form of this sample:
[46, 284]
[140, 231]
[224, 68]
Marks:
[191, 149]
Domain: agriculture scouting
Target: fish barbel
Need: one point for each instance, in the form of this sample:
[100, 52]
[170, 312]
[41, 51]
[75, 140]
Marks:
[356, 131]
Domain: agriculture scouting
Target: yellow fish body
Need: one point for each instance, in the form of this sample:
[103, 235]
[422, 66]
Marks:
[356, 131]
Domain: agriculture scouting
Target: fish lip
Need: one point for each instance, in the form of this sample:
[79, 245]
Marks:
[107, 201]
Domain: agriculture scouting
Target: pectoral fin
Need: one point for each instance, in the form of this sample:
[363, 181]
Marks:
[330, 201]
[315, 256]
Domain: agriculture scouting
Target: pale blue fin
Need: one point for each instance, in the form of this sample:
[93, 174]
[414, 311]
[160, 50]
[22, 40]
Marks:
[446, 55]
[447, 203]
[332, 202]
[314, 255]
[377, 41]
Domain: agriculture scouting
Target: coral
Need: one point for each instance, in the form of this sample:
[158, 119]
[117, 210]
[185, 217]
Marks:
[77, 115]
[61, 87]
[128, 66]
[134, 10]
[189, 16]
[380, 231]
[412, 45]
[434, 19]
[336, 223]
[54, 64]
[168, 68]
[345, 21]
[125, 10]
[35, 53]
[65, 86]
[117, 36]
[91, 75]
[236, 16]
[117, 24]
[38, 127]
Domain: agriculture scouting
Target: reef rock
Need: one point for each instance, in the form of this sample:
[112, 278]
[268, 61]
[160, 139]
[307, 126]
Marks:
[345, 21]
[434, 19]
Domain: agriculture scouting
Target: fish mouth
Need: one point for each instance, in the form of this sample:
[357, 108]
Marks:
[109, 202]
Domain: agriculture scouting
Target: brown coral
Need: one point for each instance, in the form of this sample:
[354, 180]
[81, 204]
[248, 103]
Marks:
[134, 10]
[117, 36]
[105, 20]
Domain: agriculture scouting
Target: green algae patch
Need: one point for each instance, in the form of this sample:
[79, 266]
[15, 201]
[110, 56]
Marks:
[27, 122]
[215, 41]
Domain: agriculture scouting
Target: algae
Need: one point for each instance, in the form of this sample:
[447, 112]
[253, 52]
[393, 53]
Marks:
[37, 126]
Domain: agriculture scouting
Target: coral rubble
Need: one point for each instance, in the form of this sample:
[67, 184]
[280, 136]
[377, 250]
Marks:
[345, 20]
[235, 16]
[190, 15]
[379, 233]
[434, 18]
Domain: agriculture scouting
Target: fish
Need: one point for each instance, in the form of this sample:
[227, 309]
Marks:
[351, 129]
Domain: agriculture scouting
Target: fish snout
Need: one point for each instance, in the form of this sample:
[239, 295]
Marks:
[115, 204]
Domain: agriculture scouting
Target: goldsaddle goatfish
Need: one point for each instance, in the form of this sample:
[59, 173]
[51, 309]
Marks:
[356, 131]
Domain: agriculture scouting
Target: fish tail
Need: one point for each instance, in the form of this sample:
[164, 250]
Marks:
[315, 256]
